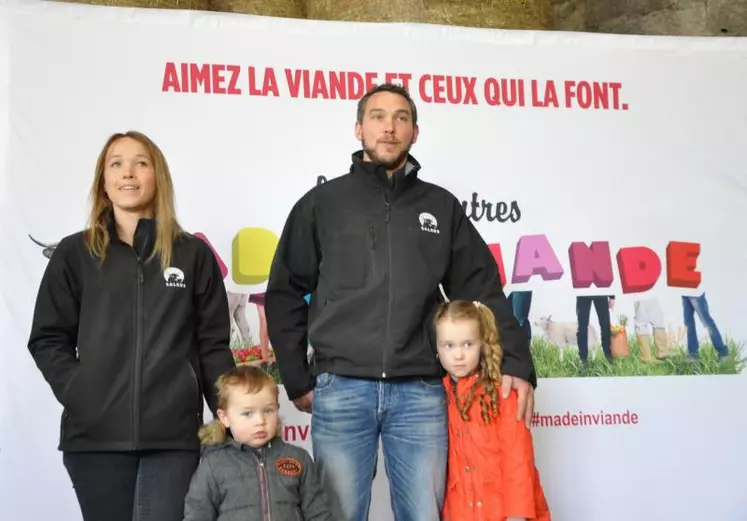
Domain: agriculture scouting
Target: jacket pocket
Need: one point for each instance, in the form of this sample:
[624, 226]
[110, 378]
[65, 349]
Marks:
[70, 387]
[84, 408]
[76, 395]
[196, 387]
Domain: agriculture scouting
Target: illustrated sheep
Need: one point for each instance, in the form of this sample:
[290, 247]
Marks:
[563, 335]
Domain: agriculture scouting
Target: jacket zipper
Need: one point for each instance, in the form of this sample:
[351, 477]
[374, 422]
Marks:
[390, 290]
[266, 513]
[138, 357]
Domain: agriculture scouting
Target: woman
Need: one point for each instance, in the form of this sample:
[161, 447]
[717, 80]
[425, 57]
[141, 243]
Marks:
[131, 328]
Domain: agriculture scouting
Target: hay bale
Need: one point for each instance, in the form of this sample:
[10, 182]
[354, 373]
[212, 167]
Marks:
[280, 8]
[498, 14]
[366, 10]
[195, 5]
[494, 14]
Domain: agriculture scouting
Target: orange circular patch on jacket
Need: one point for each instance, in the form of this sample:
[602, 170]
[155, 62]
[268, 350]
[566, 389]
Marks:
[289, 466]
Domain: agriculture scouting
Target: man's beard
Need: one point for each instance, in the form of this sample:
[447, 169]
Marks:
[389, 165]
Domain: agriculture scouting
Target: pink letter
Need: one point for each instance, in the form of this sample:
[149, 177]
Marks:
[221, 264]
[591, 264]
[535, 256]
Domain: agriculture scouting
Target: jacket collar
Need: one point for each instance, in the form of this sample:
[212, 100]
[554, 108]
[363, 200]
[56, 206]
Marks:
[399, 181]
[459, 386]
[145, 235]
[271, 446]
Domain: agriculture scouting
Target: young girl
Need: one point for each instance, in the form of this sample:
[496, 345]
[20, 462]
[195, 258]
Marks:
[252, 473]
[491, 472]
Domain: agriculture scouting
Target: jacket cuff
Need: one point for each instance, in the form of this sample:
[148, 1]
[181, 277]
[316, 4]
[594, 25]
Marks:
[520, 369]
[297, 391]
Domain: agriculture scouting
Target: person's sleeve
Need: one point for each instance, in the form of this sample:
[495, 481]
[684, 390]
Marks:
[202, 502]
[54, 328]
[517, 461]
[294, 274]
[213, 324]
[314, 500]
[473, 275]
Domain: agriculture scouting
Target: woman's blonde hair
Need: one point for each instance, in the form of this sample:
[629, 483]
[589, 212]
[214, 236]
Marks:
[491, 355]
[167, 228]
[249, 379]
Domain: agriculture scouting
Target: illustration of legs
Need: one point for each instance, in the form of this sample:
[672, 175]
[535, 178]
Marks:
[688, 316]
[264, 338]
[700, 306]
[602, 307]
[583, 311]
[237, 310]
[661, 338]
[648, 313]
[521, 303]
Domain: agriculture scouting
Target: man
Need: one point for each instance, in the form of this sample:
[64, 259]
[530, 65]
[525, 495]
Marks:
[372, 247]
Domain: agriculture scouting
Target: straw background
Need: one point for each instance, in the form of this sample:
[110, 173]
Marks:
[505, 14]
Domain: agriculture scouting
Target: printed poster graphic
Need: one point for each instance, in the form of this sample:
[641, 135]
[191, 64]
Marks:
[639, 341]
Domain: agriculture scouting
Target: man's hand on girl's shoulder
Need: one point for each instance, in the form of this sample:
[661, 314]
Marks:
[525, 391]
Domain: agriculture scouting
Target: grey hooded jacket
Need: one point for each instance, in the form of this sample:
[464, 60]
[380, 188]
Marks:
[235, 482]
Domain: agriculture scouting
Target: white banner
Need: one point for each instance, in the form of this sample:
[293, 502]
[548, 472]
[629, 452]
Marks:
[594, 165]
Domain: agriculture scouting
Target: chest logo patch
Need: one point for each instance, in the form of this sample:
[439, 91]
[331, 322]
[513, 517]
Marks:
[428, 223]
[289, 466]
[174, 278]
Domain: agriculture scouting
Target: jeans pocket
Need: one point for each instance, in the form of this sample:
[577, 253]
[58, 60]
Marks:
[434, 383]
[324, 381]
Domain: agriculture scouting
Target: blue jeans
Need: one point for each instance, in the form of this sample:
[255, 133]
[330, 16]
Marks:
[131, 486]
[699, 305]
[348, 417]
[521, 304]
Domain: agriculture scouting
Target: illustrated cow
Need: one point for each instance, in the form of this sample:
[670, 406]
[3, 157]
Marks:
[48, 249]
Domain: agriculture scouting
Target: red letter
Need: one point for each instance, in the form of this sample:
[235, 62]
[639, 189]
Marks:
[170, 78]
[495, 249]
[370, 80]
[639, 267]
[218, 79]
[439, 88]
[682, 259]
[405, 78]
[390, 77]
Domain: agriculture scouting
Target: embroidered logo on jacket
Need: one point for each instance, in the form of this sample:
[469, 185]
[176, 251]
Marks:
[428, 223]
[289, 466]
[174, 278]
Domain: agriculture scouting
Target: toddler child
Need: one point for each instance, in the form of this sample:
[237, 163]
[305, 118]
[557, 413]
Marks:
[491, 473]
[247, 471]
